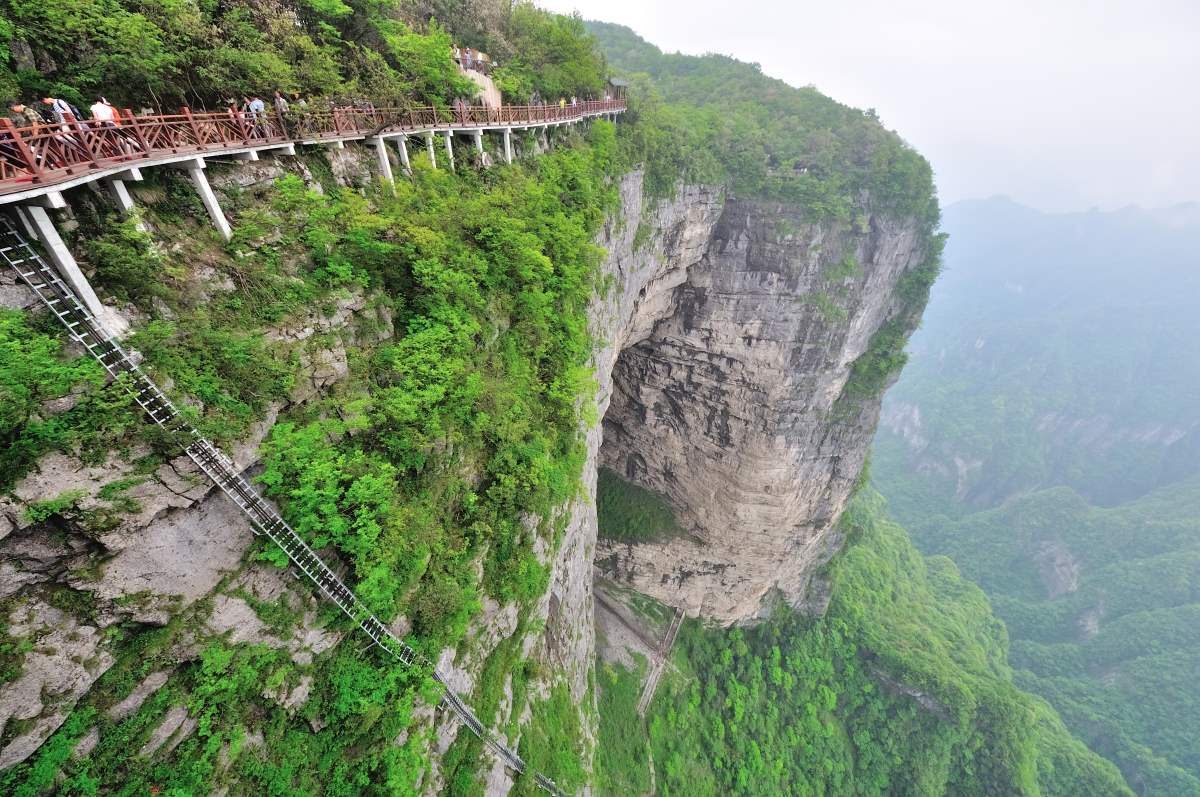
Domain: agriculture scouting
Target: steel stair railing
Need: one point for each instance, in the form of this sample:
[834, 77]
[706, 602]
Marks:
[17, 253]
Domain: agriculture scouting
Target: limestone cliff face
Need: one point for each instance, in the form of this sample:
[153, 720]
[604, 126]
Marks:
[724, 334]
[725, 401]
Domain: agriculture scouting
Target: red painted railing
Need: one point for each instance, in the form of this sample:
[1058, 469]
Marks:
[47, 154]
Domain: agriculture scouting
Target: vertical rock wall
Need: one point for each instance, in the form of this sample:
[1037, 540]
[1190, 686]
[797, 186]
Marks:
[726, 403]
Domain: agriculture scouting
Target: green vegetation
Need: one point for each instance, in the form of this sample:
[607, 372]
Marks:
[1117, 654]
[552, 744]
[458, 419]
[467, 421]
[622, 761]
[547, 55]
[466, 379]
[630, 513]
[51, 402]
[901, 688]
[715, 119]
[168, 54]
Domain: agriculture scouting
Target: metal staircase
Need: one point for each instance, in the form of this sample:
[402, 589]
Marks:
[17, 253]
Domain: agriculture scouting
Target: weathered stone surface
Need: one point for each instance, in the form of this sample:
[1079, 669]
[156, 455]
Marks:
[28, 558]
[149, 685]
[727, 406]
[236, 620]
[176, 560]
[87, 744]
[65, 661]
[14, 293]
[175, 726]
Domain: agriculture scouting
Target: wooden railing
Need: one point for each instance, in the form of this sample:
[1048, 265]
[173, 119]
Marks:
[46, 154]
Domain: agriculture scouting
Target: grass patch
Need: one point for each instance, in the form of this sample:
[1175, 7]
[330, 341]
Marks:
[629, 513]
[623, 753]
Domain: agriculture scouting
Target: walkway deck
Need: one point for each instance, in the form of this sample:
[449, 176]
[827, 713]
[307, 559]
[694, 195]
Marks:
[47, 158]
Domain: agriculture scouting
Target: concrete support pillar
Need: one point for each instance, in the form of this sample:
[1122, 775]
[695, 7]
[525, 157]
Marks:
[252, 155]
[402, 145]
[508, 145]
[450, 149]
[195, 170]
[429, 146]
[385, 163]
[116, 185]
[64, 262]
[479, 142]
[121, 194]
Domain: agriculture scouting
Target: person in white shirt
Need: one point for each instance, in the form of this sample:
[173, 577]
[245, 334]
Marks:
[103, 114]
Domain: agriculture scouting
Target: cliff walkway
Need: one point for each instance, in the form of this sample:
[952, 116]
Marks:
[17, 253]
[44, 158]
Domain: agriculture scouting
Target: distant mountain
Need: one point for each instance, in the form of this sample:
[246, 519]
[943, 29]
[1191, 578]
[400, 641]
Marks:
[1046, 436]
[1057, 349]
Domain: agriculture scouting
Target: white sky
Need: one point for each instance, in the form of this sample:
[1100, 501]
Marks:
[1060, 104]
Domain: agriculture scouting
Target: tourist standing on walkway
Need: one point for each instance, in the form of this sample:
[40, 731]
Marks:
[60, 109]
[281, 112]
[103, 114]
[24, 116]
[256, 111]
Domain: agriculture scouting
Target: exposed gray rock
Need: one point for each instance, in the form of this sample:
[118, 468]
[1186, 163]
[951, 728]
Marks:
[175, 722]
[29, 557]
[298, 695]
[1058, 570]
[235, 617]
[727, 406]
[22, 55]
[353, 167]
[87, 744]
[66, 660]
[149, 685]
[176, 560]
[15, 294]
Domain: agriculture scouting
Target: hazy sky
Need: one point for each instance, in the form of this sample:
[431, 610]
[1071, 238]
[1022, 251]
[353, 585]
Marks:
[1061, 104]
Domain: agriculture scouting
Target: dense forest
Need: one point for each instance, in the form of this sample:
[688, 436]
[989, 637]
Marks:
[901, 688]
[1045, 437]
[164, 54]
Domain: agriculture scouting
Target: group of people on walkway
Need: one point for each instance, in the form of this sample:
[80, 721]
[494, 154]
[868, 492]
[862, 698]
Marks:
[77, 136]
[473, 59]
[56, 110]
[54, 133]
